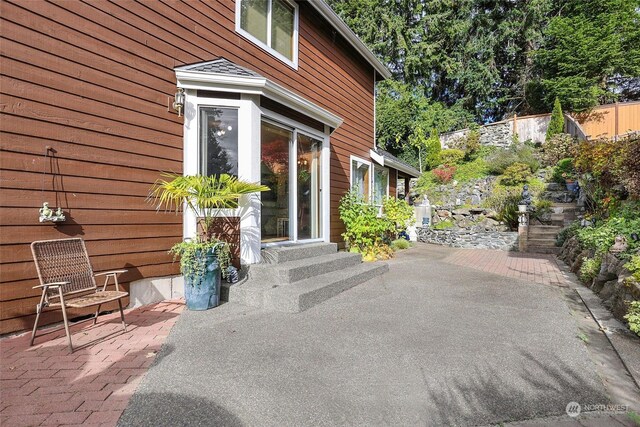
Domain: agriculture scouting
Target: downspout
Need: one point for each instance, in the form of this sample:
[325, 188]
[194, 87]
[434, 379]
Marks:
[375, 130]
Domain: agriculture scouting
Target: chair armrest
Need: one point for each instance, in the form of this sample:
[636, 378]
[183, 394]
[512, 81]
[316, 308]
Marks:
[105, 273]
[52, 285]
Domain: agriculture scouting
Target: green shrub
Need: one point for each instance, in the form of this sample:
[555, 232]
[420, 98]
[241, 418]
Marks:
[589, 269]
[400, 244]
[542, 208]
[633, 317]
[444, 224]
[432, 151]
[556, 124]
[567, 233]
[516, 174]
[500, 160]
[398, 212]
[364, 229]
[471, 170]
[634, 266]
[504, 200]
[451, 156]
[603, 235]
[563, 170]
[559, 147]
[472, 145]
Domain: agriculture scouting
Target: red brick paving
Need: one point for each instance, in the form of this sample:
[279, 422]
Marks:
[538, 268]
[46, 385]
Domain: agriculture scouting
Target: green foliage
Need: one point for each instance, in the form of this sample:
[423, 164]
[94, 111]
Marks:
[563, 171]
[567, 233]
[558, 147]
[542, 208]
[193, 262]
[591, 49]
[432, 150]
[444, 224]
[556, 124]
[398, 212]
[634, 266]
[472, 145]
[602, 236]
[500, 160]
[451, 156]
[633, 318]
[589, 269]
[400, 244]
[475, 169]
[204, 195]
[516, 174]
[504, 200]
[364, 229]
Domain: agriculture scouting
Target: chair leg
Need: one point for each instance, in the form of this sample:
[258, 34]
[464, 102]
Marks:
[95, 319]
[35, 324]
[66, 321]
[124, 325]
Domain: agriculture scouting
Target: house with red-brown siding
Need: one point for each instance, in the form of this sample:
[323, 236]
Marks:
[275, 91]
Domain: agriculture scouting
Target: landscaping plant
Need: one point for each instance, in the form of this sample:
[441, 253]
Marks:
[633, 317]
[558, 147]
[563, 171]
[399, 213]
[444, 173]
[556, 124]
[451, 156]
[589, 269]
[516, 174]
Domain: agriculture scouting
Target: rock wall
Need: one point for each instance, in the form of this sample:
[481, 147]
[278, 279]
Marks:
[505, 241]
[498, 134]
[470, 193]
[613, 283]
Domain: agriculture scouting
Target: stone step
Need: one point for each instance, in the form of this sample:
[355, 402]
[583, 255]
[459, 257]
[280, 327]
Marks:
[555, 228]
[542, 234]
[281, 254]
[544, 250]
[301, 269]
[300, 296]
[542, 242]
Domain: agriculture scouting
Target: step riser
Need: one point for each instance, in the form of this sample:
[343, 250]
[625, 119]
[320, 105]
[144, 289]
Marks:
[543, 250]
[279, 255]
[287, 275]
[295, 303]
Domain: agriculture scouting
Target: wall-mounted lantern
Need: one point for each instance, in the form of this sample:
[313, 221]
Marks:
[178, 101]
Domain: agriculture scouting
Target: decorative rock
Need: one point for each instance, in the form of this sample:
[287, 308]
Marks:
[620, 245]
[470, 239]
[443, 213]
[461, 212]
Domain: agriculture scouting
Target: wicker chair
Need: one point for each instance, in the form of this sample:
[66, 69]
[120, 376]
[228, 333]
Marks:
[67, 280]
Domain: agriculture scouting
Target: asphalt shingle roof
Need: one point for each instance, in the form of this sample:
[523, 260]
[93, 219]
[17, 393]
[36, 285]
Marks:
[221, 66]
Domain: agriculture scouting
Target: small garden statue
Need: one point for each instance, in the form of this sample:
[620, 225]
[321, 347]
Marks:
[45, 212]
[526, 196]
[620, 245]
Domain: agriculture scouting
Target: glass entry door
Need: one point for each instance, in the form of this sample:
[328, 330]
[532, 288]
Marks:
[291, 167]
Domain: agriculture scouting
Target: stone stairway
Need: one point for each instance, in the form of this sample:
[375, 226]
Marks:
[295, 278]
[542, 238]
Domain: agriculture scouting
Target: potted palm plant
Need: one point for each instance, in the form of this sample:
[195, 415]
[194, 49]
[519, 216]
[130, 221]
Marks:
[203, 258]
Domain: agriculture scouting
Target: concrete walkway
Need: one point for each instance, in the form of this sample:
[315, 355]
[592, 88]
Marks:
[435, 341]
[46, 385]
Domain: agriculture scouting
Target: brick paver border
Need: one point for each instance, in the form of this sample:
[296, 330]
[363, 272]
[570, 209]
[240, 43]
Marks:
[47, 385]
[538, 268]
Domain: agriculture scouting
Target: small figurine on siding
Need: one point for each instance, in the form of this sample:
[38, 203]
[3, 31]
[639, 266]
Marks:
[48, 215]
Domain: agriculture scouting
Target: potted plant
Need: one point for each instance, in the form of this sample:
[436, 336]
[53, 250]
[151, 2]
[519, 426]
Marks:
[203, 258]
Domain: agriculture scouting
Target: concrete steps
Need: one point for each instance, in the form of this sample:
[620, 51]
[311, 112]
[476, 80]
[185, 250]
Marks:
[292, 279]
[542, 238]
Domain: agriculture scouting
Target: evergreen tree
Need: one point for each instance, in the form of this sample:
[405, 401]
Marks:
[556, 124]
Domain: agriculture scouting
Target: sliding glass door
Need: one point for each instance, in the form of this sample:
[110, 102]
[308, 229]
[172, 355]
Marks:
[291, 167]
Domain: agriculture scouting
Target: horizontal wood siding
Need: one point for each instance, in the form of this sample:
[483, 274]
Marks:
[91, 80]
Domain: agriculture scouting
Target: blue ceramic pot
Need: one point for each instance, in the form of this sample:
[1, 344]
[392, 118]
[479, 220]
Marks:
[572, 186]
[203, 293]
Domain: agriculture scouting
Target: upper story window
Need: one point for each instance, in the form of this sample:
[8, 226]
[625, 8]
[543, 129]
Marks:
[273, 25]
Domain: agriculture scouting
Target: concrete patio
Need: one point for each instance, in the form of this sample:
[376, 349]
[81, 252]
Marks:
[447, 337]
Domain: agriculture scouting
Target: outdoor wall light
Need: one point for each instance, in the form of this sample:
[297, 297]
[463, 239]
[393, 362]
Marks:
[178, 101]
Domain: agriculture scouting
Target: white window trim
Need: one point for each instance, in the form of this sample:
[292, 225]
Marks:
[368, 162]
[296, 128]
[374, 179]
[293, 63]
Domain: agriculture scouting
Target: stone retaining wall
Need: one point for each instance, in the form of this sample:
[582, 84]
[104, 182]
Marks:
[505, 241]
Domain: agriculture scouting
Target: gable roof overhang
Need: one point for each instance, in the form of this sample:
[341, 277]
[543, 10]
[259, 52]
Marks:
[224, 76]
[332, 17]
[384, 158]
